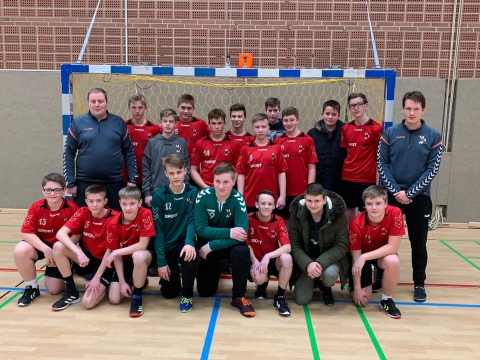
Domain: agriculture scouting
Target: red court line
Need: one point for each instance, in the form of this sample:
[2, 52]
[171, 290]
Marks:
[15, 270]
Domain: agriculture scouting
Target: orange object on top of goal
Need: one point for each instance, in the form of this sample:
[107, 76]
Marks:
[245, 61]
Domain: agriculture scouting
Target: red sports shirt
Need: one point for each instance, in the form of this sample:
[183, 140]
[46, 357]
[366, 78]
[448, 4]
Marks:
[93, 230]
[192, 131]
[140, 136]
[299, 152]
[245, 139]
[367, 237]
[45, 223]
[264, 237]
[120, 235]
[261, 166]
[361, 142]
[209, 153]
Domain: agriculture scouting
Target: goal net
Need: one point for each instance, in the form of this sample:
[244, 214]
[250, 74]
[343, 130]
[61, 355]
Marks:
[250, 87]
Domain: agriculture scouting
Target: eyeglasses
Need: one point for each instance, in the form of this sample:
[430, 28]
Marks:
[55, 191]
[407, 109]
[356, 106]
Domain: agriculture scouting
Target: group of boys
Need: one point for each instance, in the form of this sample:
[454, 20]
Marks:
[284, 219]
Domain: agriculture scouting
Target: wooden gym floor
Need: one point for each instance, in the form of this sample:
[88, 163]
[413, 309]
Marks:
[444, 327]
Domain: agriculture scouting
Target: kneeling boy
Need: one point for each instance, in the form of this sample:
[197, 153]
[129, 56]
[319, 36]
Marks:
[266, 231]
[128, 236]
[44, 218]
[90, 222]
[375, 236]
[172, 208]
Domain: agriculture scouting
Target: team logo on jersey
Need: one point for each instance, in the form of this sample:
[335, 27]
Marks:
[300, 148]
[250, 158]
[229, 213]
[227, 152]
[422, 139]
[135, 226]
[53, 215]
[273, 155]
[384, 232]
[352, 238]
[176, 131]
[398, 221]
[124, 243]
[282, 147]
[211, 213]
[206, 152]
[273, 234]
[87, 224]
[65, 219]
[147, 224]
[194, 132]
[178, 147]
[27, 220]
[189, 202]
[367, 135]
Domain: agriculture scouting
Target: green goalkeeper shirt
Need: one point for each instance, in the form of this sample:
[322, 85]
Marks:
[173, 218]
[215, 220]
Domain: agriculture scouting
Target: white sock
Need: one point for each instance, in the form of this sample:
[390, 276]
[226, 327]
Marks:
[33, 283]
[385, 297]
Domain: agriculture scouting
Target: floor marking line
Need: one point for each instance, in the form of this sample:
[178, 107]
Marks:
[18, 292]
[370, 332]
[311, 333]
[459, 254]
[211, 330]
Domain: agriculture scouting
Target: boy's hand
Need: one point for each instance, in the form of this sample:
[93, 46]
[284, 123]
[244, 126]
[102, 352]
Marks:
[164, 272]
[263, 267]
[125, 289]
[360, 297]
[189, 252]
[110, 258]
[254, 268]
[48, 252]
[402, 197]
[148, 201]
[204, 251]
[280, 202]
[83, 260]
[239, 234]
[72, 191]
[314, 269]
[130, 184]
[93, 288]
[358, 266]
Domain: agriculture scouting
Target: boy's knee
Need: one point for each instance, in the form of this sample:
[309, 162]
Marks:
[303, 297]
[391, 263]
[139, 258]
[58, 248]
[22, 250]
[286, 260]
[330, 275]
[240, 252]
[204, 291]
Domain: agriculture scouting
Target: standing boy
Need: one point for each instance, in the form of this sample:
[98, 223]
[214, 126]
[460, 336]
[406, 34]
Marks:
[409, 157]
[90, 223]
[128, 237]
[261, 166]
[238, 117]
[269, 250]
[299, 152]
[213, 150]
[141, 131]
[360, 137]
[189, 127]
[327, 135]
[44, 218]
[221, 221]
[159, 147]
[272, 110]
[375, 236]
[172, 208]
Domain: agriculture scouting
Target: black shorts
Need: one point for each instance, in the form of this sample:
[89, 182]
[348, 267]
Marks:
[52, 272]
[285, 212]
[272, 269]
[128, 269]
[367, 273]
[92, 268]
[352, 192]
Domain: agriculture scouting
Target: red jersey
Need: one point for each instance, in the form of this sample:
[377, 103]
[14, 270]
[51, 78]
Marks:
[264, 237]
[367, 237]
[93, 230]
[45, 223]
[209, 153]
[299, 152]
[245, 139]
[120, 235]
[192, 131]
[361, 142]
[140, 136]
[261, 166]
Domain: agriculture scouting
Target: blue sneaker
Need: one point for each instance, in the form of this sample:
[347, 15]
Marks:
[186, 304]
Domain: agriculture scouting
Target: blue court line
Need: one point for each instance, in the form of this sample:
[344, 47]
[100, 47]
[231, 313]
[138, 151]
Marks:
[211, 330]
[340, 301]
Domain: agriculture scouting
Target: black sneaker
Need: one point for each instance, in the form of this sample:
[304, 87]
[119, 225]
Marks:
[419, 294]
[390, 307]
[261, 291]
[376, 286]
[327, 295]
[136, 307]
[28, 295]
[245, 306]
[281, 304]
[68, 298]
